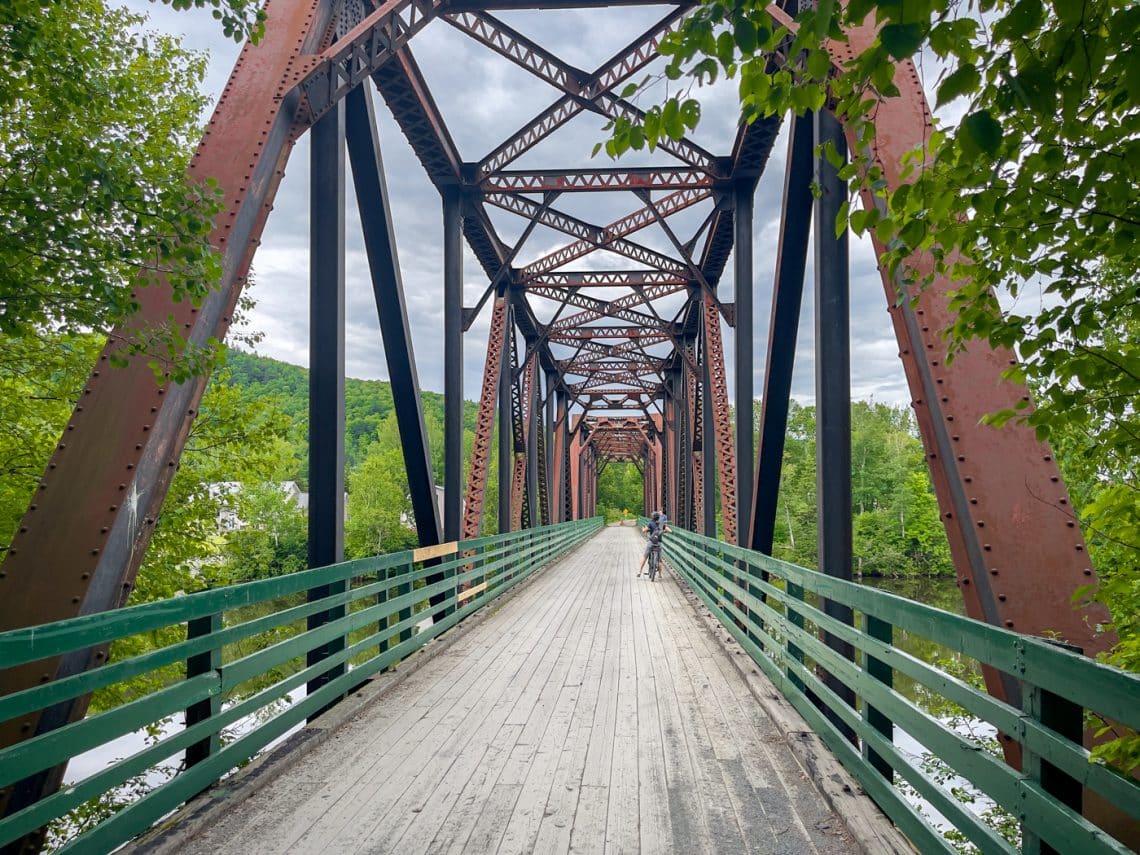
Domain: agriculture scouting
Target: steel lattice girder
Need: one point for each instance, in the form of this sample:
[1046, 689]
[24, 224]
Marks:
[585, 180]
[485, 421]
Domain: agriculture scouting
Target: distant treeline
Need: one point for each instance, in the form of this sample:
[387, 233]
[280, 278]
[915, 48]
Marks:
[898, 531]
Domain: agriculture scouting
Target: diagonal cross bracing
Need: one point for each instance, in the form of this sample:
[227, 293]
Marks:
[616, 231]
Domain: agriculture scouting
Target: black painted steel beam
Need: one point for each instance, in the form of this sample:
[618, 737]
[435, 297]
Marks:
[452, 364]
[534, 425]
[506, 437]
[833, 389]
[326, 370]
[742, 329]
[787, 298]
[388, 287]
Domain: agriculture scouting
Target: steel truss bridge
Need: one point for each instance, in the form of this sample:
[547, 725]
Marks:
[608, 348]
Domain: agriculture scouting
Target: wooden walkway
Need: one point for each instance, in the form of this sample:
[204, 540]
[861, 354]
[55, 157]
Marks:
[592, 712]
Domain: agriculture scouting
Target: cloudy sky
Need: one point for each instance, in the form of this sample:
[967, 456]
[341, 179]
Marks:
[483, 99]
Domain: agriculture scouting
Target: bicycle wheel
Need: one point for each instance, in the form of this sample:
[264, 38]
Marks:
[654, 557]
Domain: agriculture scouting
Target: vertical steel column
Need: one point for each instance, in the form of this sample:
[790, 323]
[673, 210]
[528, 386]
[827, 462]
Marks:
[667, 434]
[549, 496]
[534, 425]
[388, 287]
[562, 459]
[685, 455]
[582, 485]
[452, 364]
[708, 445]
[742, 253]
[326, 370]
[787, 297]
[833, 388]
[506, 426]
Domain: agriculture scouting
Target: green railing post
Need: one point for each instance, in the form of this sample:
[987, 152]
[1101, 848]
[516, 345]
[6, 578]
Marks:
[796, 619]
[1066, 719]
[203, 663]
[406, 588]
[883, 631]
[381, 598]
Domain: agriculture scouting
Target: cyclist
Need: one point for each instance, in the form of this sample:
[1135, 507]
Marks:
[654, 531]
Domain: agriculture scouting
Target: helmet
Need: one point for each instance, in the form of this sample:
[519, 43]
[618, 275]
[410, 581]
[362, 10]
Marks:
[656, 516]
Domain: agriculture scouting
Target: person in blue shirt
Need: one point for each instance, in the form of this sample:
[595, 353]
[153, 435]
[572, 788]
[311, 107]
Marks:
[654, 531]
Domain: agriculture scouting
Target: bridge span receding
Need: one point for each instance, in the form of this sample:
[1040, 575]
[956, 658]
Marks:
[593, 711]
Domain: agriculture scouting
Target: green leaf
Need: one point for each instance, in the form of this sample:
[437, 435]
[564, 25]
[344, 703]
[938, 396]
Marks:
[725, 48]
[818, 64]
[671, 121]
[824, 11]
[901, 40]
[962, 82]
[691, 113]
[980, 133]
[744, 34]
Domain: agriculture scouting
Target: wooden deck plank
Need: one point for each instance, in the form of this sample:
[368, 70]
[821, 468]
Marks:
[653, 803]
[460, 738]
[623, 813]
[590, 712]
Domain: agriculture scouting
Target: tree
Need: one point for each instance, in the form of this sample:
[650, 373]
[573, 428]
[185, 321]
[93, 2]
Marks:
[271, 538]
[97, 126]
[379, 507]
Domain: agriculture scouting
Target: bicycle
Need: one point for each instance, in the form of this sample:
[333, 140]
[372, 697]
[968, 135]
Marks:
[654, 560]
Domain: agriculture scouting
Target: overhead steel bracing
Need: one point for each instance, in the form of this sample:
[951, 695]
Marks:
[607, 347]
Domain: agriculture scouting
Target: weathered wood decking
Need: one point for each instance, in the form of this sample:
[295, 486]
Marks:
[592, 712]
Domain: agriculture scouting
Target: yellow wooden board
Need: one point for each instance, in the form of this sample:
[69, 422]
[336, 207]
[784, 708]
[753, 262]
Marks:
[426, 552]
[471, 592]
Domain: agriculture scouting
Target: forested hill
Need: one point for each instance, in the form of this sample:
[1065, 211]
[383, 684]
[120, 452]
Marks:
[367, 402]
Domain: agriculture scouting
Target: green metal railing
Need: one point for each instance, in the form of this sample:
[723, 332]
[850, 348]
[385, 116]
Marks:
[247, 644]
[775, 611]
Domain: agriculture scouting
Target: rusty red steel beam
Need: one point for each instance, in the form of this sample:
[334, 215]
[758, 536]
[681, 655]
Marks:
[721, 419]
[627, 333]
[593, 180]
[595, 236]
[582, 90]
[518, 476]
[627, 225]
[617, 308]
[613, 393]
[329, 76]
[595, 309]
[1016, 542]
[606, 279]
[485, 422]
[613, 379]
[644, 364]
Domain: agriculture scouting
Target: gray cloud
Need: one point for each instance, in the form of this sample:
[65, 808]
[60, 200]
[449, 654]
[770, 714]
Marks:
[484, 99]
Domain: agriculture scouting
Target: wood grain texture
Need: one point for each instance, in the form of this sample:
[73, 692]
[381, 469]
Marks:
[593, 712]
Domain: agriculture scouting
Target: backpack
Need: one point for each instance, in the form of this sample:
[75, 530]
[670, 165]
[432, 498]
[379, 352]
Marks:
[655, 533]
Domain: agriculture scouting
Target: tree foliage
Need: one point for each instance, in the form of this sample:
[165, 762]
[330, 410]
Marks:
[98, 120]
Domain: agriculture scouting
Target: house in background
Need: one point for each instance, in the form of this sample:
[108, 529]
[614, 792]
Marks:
[406, 519]
[228, 519]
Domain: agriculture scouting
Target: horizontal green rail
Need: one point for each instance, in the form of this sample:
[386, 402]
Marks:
[247, 644]
[769, 607]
